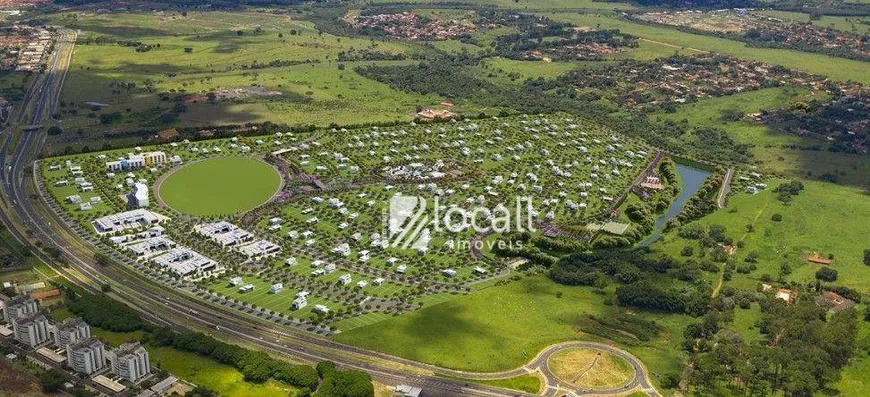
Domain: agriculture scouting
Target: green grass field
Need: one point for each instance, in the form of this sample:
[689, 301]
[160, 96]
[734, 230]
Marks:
[821, 219]
[503, 327]
[528, 383]
[202, 52]
[847, 24]
[225, 380]
[835, 68]
[224, 185]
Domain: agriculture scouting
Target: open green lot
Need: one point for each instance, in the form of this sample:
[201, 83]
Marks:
[822, 218]
[503, 327]
[224, 185]
[190, 55]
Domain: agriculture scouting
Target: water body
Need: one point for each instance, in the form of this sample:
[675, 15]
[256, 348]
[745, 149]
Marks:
[692, 179]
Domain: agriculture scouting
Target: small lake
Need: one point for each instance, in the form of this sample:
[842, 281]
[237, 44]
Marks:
[692, 178]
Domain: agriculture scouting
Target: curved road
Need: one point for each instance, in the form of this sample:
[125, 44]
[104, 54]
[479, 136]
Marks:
[176, 307]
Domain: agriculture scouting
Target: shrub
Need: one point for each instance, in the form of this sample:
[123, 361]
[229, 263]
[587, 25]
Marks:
[826, 274]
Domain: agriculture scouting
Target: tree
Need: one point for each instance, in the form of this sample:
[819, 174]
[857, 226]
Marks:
[826, 274]
[102, 259]
[55, 130]
[687, 251]
[776, 217]
[52, 381]
[867, 257]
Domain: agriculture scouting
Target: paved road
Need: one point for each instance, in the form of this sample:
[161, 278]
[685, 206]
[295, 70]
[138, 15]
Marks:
[177, 307]
[725, 188]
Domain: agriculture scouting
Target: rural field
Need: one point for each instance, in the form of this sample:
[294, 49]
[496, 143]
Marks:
[820, 219]
[835, 68]
[277, 69]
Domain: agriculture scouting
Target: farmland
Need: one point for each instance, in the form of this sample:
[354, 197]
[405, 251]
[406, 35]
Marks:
[189, 56]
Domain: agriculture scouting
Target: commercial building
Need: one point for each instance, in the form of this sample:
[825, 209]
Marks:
[129, 361]
[184, 262]
[87, 356]
[133, 161]
[132, 219]
[71, 331]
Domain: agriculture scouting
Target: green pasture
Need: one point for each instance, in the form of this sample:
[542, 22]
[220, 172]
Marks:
[822, 219]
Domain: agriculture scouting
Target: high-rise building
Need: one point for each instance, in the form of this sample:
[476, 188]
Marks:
[70, 331]
[32, 330]
[19, 306]
[129, 361]
[86, 356]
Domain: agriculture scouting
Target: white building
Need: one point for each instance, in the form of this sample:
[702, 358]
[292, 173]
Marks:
[185, 262]
[71, 331]
[18, 307]
[133, 161]
[138, 198]
[31, 331]
[129, 361]
[299, 302]
[87, 356]
[132, 219]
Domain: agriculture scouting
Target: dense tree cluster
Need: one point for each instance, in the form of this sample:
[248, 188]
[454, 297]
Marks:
[787, 190]
[646, 282]
[539, 37]
[255, 366]
[102, 311]
[802, 354]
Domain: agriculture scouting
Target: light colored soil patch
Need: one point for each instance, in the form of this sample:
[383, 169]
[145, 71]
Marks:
[591, 369]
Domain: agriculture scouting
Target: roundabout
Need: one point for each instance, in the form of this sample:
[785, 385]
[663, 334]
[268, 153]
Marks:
[219, 186]
[591, 369]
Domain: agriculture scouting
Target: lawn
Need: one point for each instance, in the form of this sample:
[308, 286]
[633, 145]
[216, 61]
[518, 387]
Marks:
[708, 112]
[503, 327]
[591, 369]
[224, 185]
[529, 69]
[528, 383]
[835, 68]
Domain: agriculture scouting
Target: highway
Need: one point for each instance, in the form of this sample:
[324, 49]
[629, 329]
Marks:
[32, 219]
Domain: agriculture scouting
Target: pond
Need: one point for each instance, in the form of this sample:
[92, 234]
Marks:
[692, 178]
